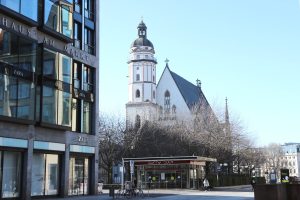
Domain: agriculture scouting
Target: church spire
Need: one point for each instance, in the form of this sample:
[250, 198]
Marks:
[226, 112]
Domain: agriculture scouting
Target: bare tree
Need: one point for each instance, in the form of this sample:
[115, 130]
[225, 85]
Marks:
[111, 143]
[273, 153]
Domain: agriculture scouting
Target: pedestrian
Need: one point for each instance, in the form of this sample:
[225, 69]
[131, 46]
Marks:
[205, 184]
[149, 182]
[253, 182]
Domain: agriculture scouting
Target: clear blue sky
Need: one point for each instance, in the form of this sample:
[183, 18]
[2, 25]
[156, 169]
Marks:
[246, 50]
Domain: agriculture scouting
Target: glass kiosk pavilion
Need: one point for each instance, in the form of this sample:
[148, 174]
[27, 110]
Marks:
[168, 172]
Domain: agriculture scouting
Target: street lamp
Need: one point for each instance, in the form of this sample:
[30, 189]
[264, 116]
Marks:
[226, 167]
[252, 171]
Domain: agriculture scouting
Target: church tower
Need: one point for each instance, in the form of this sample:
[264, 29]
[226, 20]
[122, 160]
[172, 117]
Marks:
[141, 104]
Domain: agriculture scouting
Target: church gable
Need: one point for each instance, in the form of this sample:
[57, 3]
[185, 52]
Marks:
[169, 97]
[184, 96]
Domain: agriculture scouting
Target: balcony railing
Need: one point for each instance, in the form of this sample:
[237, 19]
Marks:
[89, 49]
[146, 57]
[77, 43]
[87, 87]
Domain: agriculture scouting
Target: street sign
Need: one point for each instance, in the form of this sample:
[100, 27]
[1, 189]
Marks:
[285, 173]
[131, 164]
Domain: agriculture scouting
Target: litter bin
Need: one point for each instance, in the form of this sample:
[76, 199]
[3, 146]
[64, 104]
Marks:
[112, 192]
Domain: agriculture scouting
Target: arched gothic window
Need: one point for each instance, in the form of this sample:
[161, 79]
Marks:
[167, 102]
[137, 121]
[137, 94]
[173, 109]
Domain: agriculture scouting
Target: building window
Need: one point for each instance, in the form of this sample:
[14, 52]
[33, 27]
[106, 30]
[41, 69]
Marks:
[87, 117]
[58, 17]
[88, 78]
[45, 174]
[57, 70]
[82, 103]
[167, 102]
[77, 35]
[22, 7]
[89, 41]
[18, 61]
[153, 78]
[11, 174]
[79, 176]
[89, 11]
[17, 52]
[76, 75]
[77, 6]
[137, 94]
[153, 94]
[174, 109]
[138, 77]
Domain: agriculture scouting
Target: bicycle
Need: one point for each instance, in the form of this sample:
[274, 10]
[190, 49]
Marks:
[140, 192]
[129, 193]
[120, 194]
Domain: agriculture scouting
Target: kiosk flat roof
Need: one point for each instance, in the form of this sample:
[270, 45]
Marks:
[172, 158]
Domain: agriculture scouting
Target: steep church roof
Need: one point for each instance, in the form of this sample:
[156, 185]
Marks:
[192, 94]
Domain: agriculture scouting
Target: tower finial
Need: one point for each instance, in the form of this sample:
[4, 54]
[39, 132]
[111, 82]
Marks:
[226, 111]
[198, 82]
[142, 29]
[167, 62]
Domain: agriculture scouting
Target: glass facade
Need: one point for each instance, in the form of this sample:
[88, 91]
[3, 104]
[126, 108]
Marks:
[77, 35]
[57, 81]
[79, 176]
[82, 107]
[77, 6]
[21, 6]
[19, 90]
[45, 174]
[58, 16]
[40, 85]
[10, 171]
[89, 40]
[17, 62]
[89, 9]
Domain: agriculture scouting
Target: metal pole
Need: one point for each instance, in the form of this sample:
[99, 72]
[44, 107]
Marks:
[122, 175]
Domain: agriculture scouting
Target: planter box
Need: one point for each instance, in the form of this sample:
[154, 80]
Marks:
[277, 192]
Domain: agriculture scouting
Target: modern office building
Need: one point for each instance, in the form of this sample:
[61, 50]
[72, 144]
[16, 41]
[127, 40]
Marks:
[49, 97]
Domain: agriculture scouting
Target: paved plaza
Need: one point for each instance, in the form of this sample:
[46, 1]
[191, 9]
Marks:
[221, 193]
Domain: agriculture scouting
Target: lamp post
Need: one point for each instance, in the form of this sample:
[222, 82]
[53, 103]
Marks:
[253, 171]
[226, 167]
